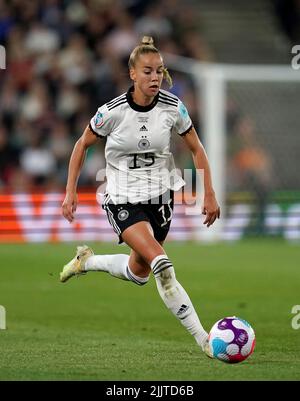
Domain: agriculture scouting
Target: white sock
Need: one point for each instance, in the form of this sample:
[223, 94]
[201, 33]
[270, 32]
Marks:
[116, 265]
[176, 299]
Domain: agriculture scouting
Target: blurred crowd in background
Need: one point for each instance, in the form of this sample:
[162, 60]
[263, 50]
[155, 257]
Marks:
[64, 60]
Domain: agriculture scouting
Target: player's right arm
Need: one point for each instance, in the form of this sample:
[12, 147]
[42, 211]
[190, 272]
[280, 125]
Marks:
[69, 205]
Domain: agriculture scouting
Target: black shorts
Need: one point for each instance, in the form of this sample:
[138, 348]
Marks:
[157, 211]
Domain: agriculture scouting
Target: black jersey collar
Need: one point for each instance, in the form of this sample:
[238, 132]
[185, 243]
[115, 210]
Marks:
[137, 107]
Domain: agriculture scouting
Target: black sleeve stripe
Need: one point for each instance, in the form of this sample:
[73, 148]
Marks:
[94, 132]
[169, 103]
[168, 100]
[117, 104]
[186, 131]
[122, 97]
[168, 97]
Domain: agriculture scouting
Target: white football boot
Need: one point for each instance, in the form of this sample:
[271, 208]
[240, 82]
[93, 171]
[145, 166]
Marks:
[76, 266]
[207, 349]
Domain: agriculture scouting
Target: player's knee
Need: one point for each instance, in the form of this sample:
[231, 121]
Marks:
[136, 278]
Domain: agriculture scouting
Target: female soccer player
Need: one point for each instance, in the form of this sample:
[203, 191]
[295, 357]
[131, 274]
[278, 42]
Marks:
[139, 126]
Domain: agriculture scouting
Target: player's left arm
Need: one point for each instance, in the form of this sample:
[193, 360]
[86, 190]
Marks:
[210, 207]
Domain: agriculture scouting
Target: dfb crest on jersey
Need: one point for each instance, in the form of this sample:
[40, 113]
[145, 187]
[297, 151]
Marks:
[143, 144]
[123, 215]
[99, 120]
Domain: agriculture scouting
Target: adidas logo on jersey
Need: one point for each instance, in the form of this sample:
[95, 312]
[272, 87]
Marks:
[143, 128]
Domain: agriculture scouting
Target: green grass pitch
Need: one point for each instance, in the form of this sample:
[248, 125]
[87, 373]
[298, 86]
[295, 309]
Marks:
[100, 328]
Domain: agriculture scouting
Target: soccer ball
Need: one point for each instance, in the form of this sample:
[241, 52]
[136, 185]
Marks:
[231, 340]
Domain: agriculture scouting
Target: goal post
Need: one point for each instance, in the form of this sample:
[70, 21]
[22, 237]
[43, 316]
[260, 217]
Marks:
[256, 89]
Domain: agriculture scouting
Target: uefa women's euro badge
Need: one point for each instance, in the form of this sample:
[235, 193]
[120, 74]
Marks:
[99, 120]
[183, 111]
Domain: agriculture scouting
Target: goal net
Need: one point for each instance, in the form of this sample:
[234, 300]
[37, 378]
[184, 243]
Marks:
[249, 121]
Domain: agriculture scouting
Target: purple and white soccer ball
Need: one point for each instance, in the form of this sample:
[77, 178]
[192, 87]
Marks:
[231, 340]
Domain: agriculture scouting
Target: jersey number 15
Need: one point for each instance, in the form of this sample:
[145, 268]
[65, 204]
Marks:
[141, 160]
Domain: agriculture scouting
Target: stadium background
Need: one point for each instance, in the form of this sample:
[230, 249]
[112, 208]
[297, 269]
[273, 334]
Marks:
[63, 60]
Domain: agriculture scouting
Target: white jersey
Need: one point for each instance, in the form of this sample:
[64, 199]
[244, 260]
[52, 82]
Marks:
[139, 165]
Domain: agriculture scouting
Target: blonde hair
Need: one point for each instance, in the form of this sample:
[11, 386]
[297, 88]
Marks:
[147, 46]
